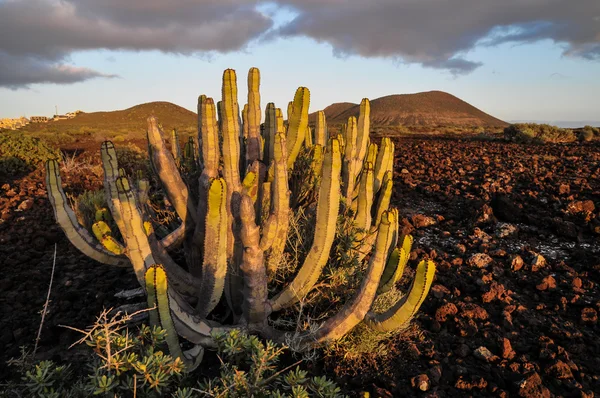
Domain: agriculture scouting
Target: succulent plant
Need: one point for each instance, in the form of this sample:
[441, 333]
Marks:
[234, 230]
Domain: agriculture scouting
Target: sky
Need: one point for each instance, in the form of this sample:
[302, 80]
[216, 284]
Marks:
[514, 59]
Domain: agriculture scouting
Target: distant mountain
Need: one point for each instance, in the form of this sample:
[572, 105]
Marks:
[133, 119]
[433, 108]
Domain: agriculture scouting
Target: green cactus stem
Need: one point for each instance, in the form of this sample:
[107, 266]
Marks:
[327, 210]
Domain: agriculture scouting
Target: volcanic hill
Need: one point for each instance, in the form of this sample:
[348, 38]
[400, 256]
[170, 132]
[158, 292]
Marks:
[432, 108]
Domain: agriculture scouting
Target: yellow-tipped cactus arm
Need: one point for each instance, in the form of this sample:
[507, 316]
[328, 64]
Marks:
[356, 309]
[214, 267]
[321, 135]
[254, 308]
[297, 123]
[364, 126]
[208, 136]
[151, 296]
[253, 144]
[103, 233]
[157, 276]
[385, 155]
[327, 211]
[402, 312]
[66, 218]
[395, 267]
[134, 233]
[384, 196]
[365, 200]
[168, 173]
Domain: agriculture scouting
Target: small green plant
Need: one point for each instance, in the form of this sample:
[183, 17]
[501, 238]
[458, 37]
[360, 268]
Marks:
[131, 362]
[250, 369]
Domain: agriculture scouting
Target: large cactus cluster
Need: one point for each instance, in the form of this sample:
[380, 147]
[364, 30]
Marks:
[235, 221]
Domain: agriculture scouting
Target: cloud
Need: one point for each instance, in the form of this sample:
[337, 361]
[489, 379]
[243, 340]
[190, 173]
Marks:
[40, 35]
[45, 32]
[440, 33]
[21, 71]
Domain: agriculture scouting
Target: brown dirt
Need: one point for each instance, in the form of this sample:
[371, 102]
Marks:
[524, 324]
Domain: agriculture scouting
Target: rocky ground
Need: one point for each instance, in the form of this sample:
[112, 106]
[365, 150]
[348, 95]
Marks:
[514, 230]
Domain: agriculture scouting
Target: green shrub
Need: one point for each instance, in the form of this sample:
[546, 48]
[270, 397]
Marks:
[538, 133]
[23, 153]
[131, 361]
[588, 133]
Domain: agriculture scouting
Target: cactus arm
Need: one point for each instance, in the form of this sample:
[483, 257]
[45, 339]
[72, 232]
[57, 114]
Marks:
[364, 126]
[214, 267]
[382, 164]
[151, 296]
[168, 173]
[321, 135]
[158, 278]
[350, 168]
[103, 233]
[395, 267]
[253, 144]
[245, 121]
[66, 218]
[208, 136]
[270, 129]
[308, 142]
[385, 195]
[297, 123]
[173, 239]
[278, 220]
[110, 166]
[365, 201]
[230, 130]
[325, 224]
[253, 270]
[372, 153]
[231, 172]
[393, 271]
[402, 312]
[175, 148]
[135, 233]
[275, 231]
[356, 309]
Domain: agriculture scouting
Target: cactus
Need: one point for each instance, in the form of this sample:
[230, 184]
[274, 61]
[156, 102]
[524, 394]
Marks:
[235, 224]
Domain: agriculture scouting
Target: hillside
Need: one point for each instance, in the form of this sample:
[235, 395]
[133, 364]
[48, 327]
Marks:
[433, 108]
[132, 119]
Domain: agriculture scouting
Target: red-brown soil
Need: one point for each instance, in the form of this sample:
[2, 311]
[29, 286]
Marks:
[514, 230]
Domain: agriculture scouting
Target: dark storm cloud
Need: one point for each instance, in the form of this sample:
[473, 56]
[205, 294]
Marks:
[21, 71]
[47, 31]
[439, 33]
[39, 35]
